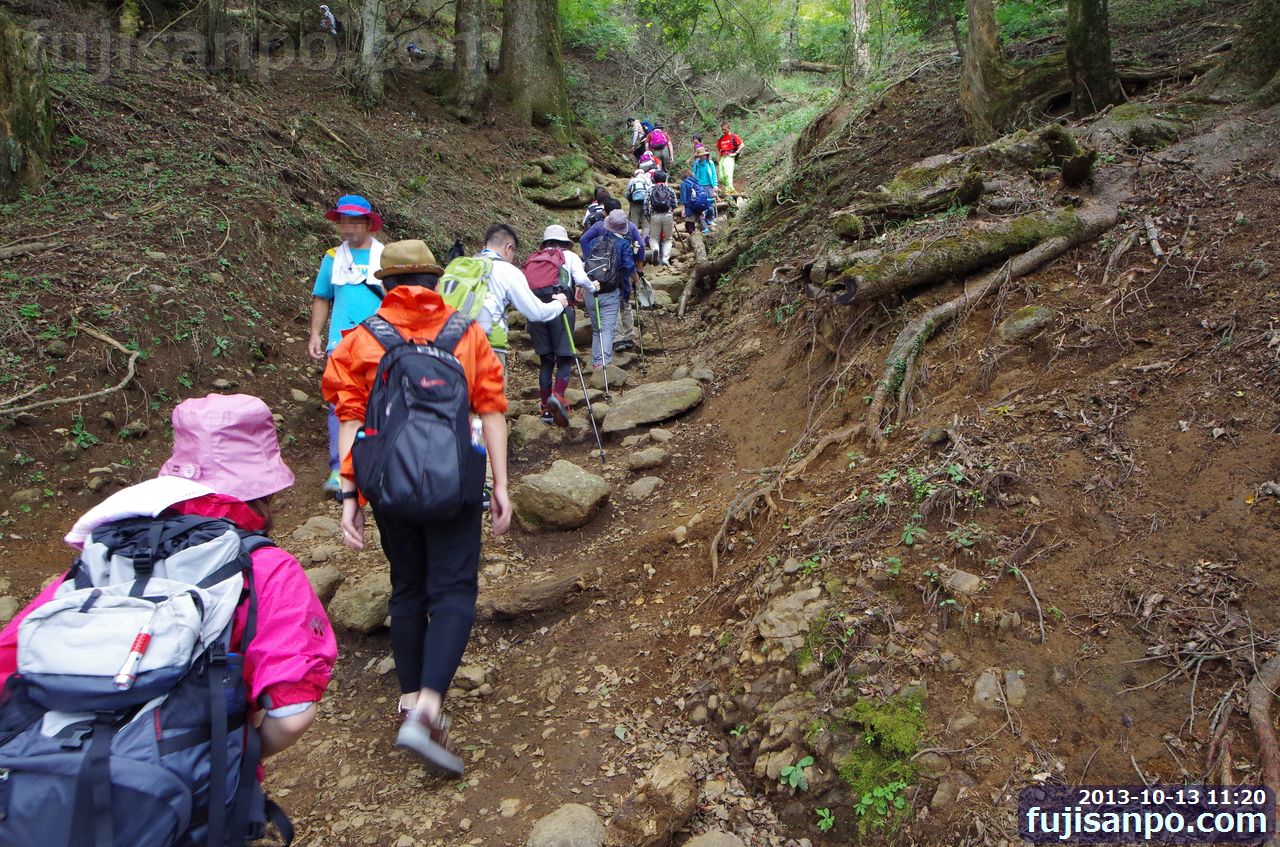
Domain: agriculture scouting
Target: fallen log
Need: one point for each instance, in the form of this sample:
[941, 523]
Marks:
[924, 260]
[809, 67]
[1091, 221]
[28, 249]
[528, 600]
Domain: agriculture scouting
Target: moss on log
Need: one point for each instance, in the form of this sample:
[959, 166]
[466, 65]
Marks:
[923, 261]
[873, 207]
[559, 182]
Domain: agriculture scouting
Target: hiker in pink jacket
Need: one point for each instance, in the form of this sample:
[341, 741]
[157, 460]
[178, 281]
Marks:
[226, 464]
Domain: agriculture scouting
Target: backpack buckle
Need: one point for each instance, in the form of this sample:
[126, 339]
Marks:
[75, 739]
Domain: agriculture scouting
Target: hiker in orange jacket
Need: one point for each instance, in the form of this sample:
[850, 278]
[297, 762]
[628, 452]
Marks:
[434, 566]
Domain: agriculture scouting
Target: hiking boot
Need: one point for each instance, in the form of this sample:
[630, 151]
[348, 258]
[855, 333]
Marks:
[623, 346]
[334, 483]
[546, 417]
[558, 410]
[486, 496]
[430, 740]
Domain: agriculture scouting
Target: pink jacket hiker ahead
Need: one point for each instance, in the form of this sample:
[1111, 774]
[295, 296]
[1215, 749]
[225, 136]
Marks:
[290, 659]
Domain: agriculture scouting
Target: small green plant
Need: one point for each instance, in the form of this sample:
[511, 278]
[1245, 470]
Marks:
[21, 459]
[965, 536]
[912, 532]
[1056, 613]
[784, 312]
[949, 603]
[793, 775]
[920, 487]
[882, 801]
[30, 311]
[826, 819]
[221, 344]
[82, 437]
[186, 381]
[811, 564]
[893, 566]
[882, 500]
[889, 476]
[954, 472]
[738, 731]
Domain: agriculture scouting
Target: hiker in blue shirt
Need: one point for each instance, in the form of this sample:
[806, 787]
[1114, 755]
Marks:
[694, 198]
[625, 337]
[345, 285]
[603, 306]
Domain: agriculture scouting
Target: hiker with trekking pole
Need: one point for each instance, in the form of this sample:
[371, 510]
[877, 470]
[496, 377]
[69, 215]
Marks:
[610, 263]
[624, 335]
[555, 269]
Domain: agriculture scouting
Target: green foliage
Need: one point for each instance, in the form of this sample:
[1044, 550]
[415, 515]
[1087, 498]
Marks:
[737, 35]
[826, 819]
[912, 532]
[793, 775]
[928, 17]
[82, 437]
[965, 536]
[881, 802]
[896, 724]
[822, 31]
[1026, 19]
[595, 24]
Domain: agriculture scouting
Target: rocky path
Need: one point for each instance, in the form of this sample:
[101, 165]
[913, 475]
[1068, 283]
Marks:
[582, 723]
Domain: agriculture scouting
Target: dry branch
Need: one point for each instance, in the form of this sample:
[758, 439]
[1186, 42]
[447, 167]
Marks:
[1153, 237]
[130, 372]
[27, 249]
[529, 600]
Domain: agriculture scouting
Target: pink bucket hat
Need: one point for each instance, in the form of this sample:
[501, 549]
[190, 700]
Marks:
[228, 442]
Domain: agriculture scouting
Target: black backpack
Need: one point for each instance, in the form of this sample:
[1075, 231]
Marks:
[414, 459]
[602, 262]
[661, 198]
[595, 214]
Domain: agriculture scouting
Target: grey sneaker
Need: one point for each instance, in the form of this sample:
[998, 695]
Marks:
[430, 741]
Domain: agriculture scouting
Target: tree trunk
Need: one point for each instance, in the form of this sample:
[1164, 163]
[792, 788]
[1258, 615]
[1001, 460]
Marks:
[468, 59]
[1094, 84]
[1254, 61]
[859, 26]
[26, 123]
[373, 35]
[954, 26]
[791, 27]
[986, 73]
[532, 67]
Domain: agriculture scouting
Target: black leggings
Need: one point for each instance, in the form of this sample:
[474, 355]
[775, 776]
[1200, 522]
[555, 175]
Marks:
[563, 368]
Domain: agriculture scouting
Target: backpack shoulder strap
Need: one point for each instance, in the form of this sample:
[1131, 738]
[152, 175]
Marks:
[383, 332]
[454, 328]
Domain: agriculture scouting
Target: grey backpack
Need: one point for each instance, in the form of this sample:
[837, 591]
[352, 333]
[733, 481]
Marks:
[127, 722]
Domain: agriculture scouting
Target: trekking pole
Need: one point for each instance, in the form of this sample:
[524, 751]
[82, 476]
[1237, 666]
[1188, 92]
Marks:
[582, 379]
[600, 331]
[635, 308]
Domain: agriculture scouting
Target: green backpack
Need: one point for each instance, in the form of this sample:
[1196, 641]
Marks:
[465, 287]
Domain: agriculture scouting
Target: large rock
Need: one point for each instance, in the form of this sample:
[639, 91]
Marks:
[652, 403]
[617, 377]
[669, 283]
[1026, 322]
[986, 692]
[362, 605]
[643, 460]
[559, 182]
[785, 621]
[325, 581]
[661, 803]
[564, 497]
[644, 487]
[571, 825]
[527, 430]
[8, 609]
[319, 527]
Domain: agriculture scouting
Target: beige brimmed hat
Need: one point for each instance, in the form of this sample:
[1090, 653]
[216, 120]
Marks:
[408, 257]
[555, 234]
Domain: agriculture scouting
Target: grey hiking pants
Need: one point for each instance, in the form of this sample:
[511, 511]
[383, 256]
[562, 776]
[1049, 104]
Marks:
[603, 309]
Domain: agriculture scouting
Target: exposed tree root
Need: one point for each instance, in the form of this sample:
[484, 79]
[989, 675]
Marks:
[747, 504]
[706, 273]
[876, 207]
[130, 371]
[1094, 220]
[1262, 689]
